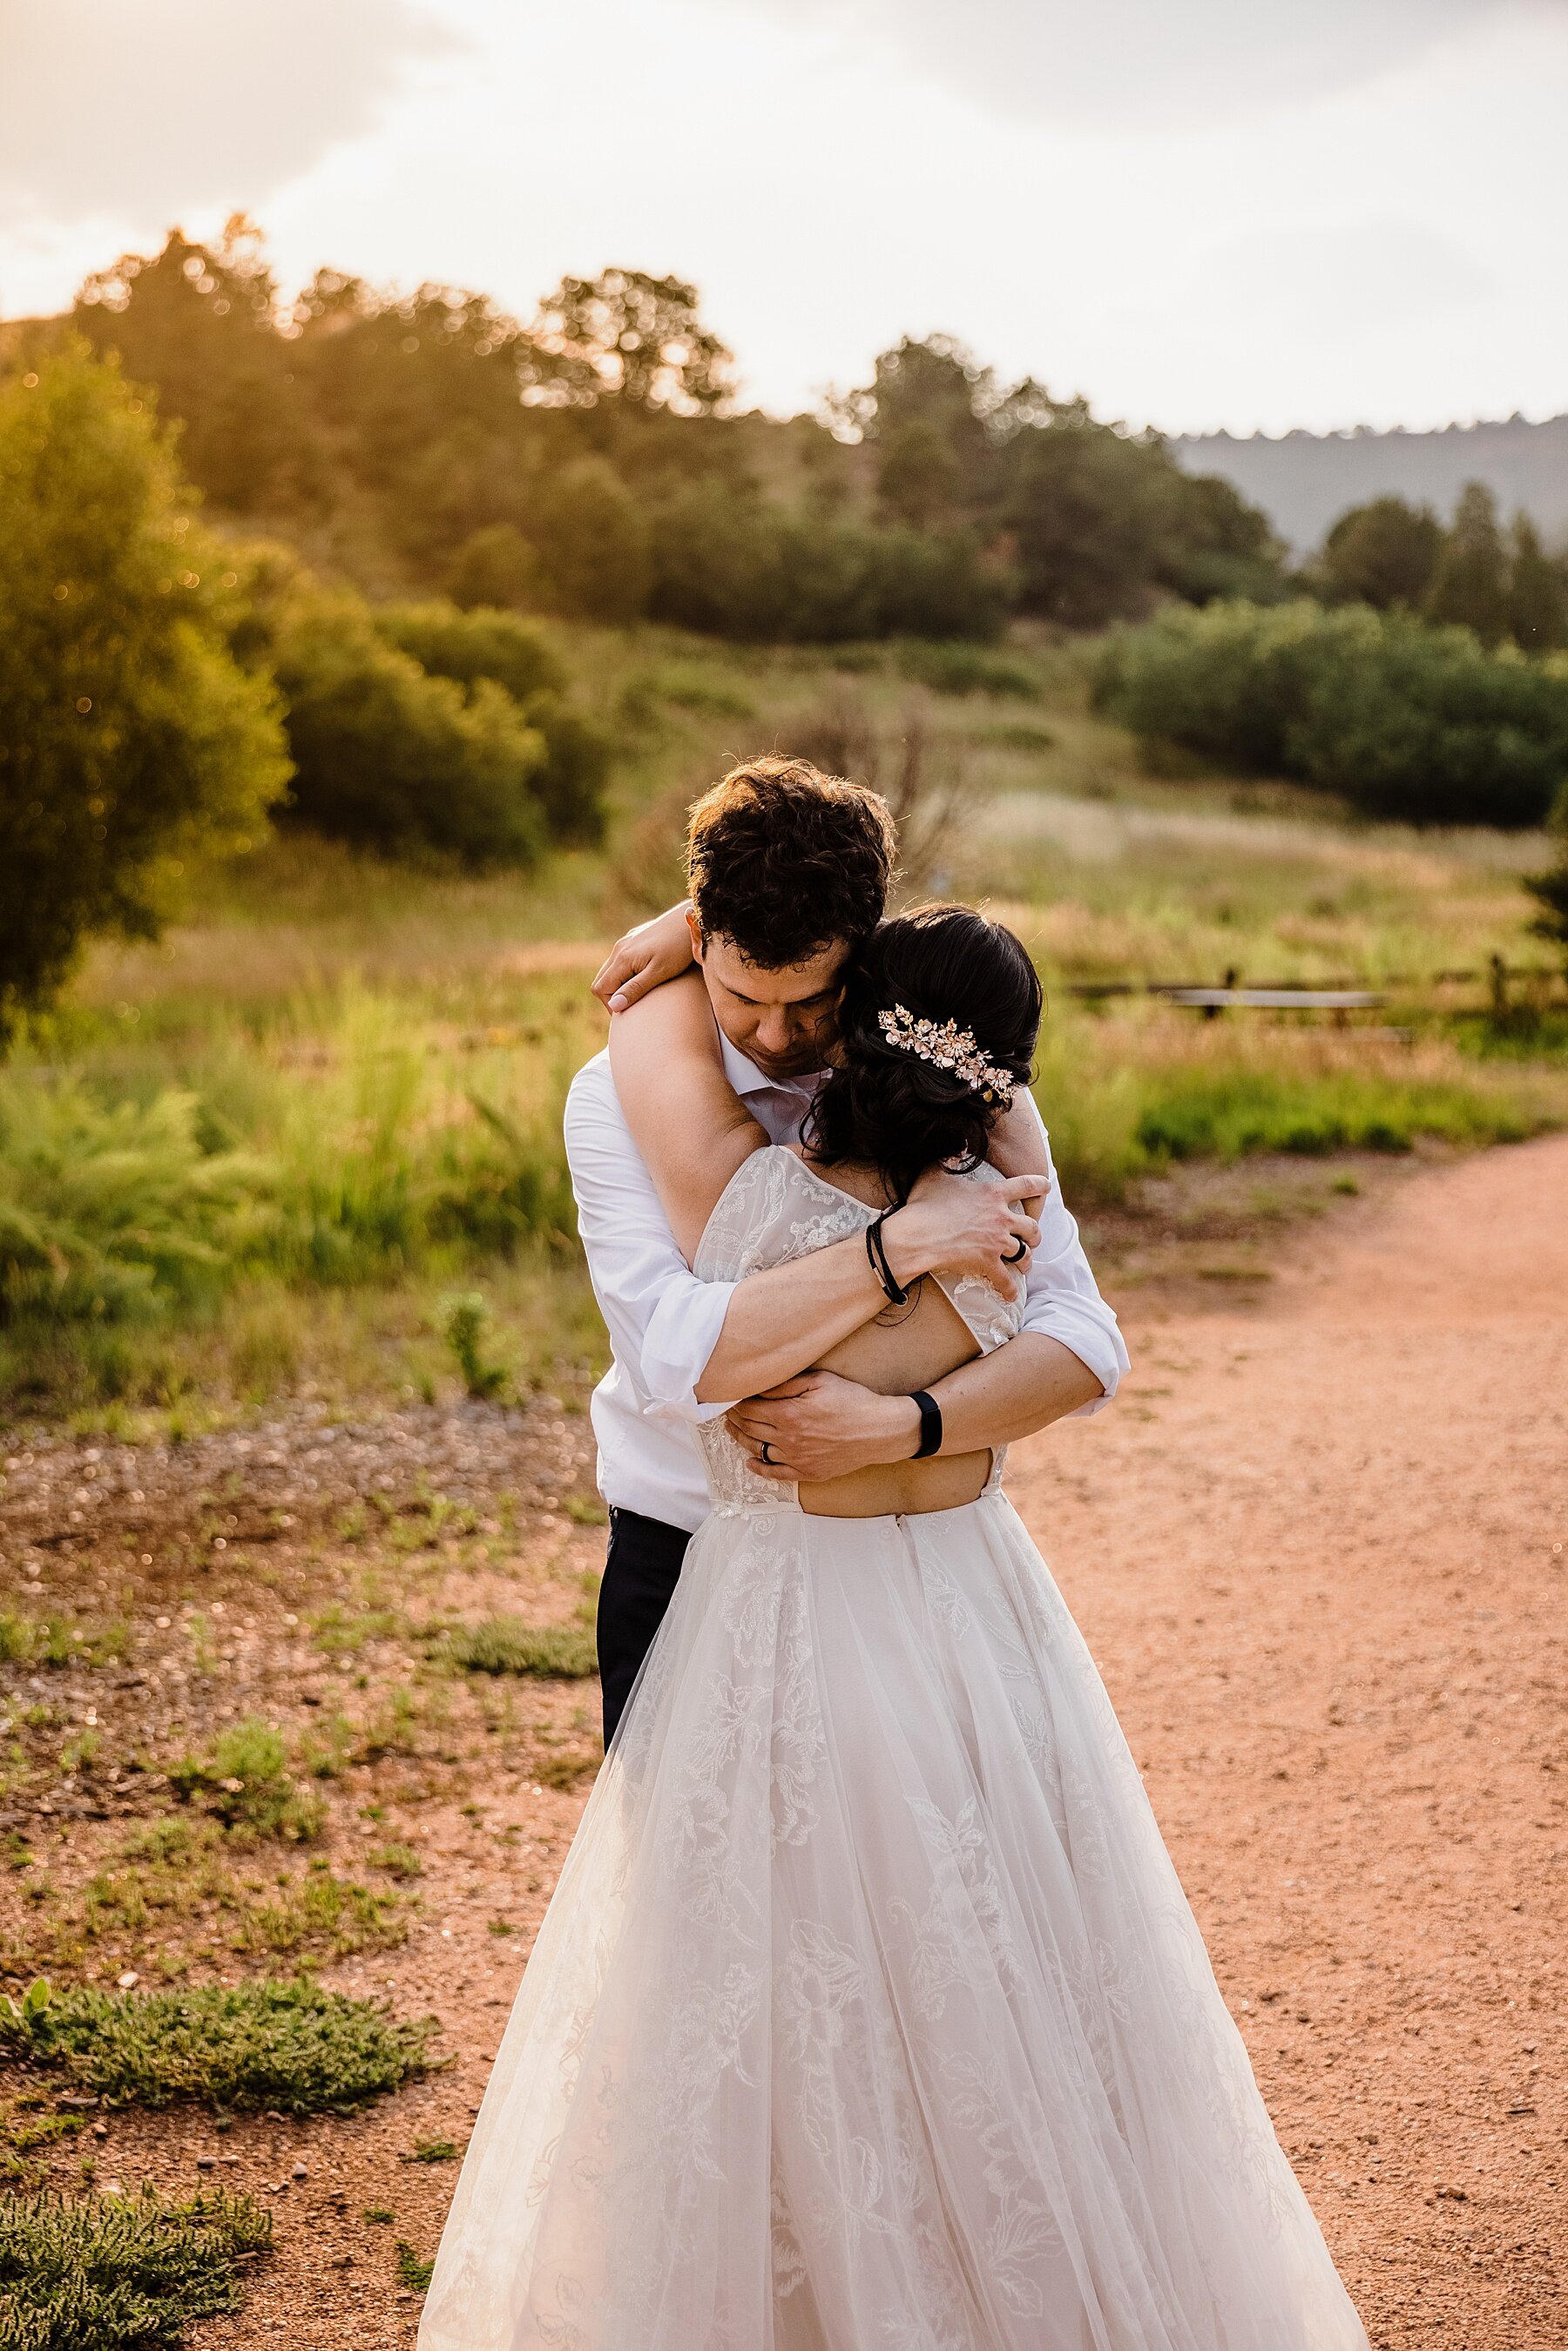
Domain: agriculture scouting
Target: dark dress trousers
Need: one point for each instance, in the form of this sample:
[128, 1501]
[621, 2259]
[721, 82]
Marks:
[640, 1569]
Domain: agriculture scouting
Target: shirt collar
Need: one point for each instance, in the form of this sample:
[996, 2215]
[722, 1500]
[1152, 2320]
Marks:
[748, 1079]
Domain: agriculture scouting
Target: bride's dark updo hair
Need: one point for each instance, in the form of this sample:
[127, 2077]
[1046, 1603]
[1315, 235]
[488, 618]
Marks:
[884, 1106]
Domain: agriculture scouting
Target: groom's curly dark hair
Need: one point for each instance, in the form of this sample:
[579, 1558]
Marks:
[785, 861]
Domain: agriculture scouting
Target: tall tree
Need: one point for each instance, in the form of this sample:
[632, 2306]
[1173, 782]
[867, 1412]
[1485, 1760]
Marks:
[129, 737]
[625, 335]
[1383, 553]
[1537, 591]
[1470, 584]
[923, 412]
[200, 321]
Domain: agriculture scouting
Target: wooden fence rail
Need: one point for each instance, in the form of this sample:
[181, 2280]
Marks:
[1337, 996]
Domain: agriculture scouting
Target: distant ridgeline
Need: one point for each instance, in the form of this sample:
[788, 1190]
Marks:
[1304, 481]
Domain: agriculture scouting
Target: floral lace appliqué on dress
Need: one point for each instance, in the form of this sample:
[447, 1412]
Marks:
[869, 2013]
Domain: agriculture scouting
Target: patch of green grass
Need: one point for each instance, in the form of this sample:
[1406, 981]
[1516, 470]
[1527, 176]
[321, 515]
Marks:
[1226, 1114]
[100, 2273]
[321, 1911]
[290, 2047]
[509, 1644]
[412, 2270]
[432, 2150]
[28, 2127]
[340, 1632]
[56, 1641]
[244, 1783]
[568, 1771]
[399, 1861]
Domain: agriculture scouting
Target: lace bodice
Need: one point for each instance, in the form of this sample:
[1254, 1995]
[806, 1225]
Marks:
[775, 1208]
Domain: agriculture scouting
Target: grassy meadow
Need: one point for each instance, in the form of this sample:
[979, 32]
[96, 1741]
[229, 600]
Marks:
[308, 1143]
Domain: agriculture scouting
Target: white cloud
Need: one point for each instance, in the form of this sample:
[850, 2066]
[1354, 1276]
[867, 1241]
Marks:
[138, 111]
[1374, 234]
[1307, 283]
[1151, 64]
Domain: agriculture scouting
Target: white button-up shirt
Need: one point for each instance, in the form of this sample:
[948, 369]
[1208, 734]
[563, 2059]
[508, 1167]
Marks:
[664, 1323]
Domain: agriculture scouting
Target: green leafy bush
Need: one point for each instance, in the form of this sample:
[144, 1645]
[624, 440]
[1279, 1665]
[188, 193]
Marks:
[121, 2275]
[130, 739]
[966, 669]
[389, 757]
[1405, 720]
[731, 565]
[469, 647]
[497, 569]
[290, 2047]
[592, 539]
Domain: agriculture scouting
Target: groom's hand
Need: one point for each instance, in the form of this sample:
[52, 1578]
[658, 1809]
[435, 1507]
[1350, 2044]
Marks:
[819, 1425]
[950, 1225]
[648, 955]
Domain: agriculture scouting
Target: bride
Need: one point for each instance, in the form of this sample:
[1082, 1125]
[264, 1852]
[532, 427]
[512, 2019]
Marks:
[869, 2014]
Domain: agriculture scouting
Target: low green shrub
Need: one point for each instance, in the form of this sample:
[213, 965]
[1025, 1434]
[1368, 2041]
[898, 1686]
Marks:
[288, 2046]
[395, 759]
[472, 646]
[1405, 720]
[729, 564]
[966, 669]
[105, 1207]
[99, 2274]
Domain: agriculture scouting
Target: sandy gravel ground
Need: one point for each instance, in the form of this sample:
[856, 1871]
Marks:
[1317, 1549]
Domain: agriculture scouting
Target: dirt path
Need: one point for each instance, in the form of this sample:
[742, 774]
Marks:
[1320, 1549]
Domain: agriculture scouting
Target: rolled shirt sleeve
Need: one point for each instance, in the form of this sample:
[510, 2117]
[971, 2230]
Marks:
[664, 1324]
[1062, 1298]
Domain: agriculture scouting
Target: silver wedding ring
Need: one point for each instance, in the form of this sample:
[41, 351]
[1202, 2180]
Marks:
[766, 1454]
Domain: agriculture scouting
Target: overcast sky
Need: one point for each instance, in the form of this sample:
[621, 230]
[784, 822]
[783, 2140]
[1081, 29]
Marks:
[1249, 212]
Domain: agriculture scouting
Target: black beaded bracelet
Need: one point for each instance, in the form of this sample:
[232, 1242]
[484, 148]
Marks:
[930, 1425]
[876, 1258]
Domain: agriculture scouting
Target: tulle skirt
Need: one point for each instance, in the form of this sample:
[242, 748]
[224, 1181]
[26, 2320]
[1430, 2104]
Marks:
[869, 2014]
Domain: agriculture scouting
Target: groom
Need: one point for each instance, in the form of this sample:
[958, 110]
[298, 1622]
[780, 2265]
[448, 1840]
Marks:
[789, 871]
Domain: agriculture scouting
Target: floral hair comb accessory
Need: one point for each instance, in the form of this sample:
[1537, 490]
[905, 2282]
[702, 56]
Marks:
[947, 1046]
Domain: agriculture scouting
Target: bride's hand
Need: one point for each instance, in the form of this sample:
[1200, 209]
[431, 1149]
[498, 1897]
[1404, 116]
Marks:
[649, 954]
[952, 1225]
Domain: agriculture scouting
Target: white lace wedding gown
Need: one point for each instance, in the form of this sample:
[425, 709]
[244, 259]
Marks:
[869, 2014]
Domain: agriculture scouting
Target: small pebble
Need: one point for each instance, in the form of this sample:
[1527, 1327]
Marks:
[301, 2172]
[128, 1979]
